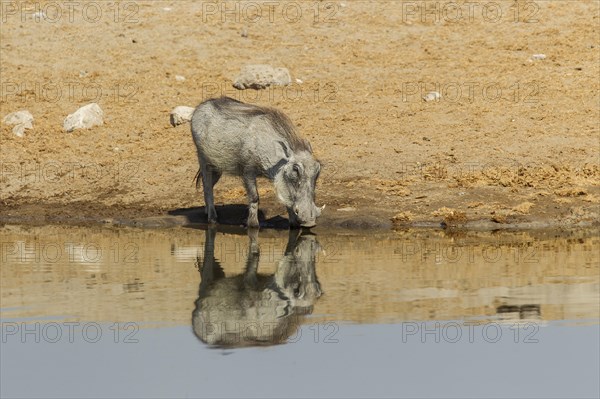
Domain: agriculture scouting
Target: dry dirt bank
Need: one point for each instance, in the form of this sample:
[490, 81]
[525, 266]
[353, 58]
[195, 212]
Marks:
[512, 142]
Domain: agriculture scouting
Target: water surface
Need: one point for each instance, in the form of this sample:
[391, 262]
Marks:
[187, 312]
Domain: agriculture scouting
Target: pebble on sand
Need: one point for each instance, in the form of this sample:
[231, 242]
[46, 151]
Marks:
[21, 120]
[261, 76]
[84, 118]
[181, 115]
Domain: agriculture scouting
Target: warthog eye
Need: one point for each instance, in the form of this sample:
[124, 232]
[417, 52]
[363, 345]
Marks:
[297, 169]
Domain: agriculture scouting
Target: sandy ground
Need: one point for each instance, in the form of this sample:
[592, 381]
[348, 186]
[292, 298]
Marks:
[513, 141]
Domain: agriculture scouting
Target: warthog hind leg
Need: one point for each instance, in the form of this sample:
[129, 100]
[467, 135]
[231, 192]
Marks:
[210, 177]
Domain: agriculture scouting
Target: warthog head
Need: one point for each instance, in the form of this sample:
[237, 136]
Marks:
[295, 185]
[296, 276]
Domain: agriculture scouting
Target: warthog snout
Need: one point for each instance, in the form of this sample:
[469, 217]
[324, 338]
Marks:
[305, 219]
[312, 223]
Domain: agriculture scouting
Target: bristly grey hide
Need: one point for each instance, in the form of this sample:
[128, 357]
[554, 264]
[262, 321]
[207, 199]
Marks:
[248, 141]
[253, 309]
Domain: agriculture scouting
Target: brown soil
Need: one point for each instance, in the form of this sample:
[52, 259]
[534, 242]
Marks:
[512, 142]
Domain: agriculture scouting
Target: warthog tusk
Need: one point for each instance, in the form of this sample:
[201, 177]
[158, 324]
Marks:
[319, 210]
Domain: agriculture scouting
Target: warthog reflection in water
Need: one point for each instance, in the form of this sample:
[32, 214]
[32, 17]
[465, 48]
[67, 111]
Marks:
[253, 309]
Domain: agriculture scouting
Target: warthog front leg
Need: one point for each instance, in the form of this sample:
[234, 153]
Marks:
[210, 270]
[250, 278]
[252, 191]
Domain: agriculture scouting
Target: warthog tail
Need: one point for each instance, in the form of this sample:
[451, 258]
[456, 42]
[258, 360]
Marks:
[198, 177]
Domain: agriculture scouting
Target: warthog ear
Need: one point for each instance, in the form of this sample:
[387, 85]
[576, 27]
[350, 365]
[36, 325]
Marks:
[309, 146]
[286, 150]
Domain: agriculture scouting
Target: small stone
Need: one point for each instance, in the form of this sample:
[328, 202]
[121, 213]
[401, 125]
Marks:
[402, 217]
[523, 208]
[167, 8]
[244, 32]
[499, 218]
[84, 118]
[261, 76]
[432, 96]
[474, 204]
[181, 115]
[21, 120]
[571, 192]
[299, 81]
[450, 216]
[19, 117]
[346, 209]
[19, 130]
[538, 57]
[180, 78]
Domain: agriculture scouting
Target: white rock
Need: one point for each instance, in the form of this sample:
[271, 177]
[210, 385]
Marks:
[432, 96]
[19, 130]
[299, 81]
[18, 118]
[347, 209]
[84, 118]
[538, 57]
[180, 78]
[167, 8]
[21, 120]
[181, 114]
[261, 76]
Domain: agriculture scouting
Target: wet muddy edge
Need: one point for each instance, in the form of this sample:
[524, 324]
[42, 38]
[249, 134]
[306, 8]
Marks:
[332, 221]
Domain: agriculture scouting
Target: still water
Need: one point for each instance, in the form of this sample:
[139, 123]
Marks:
[187, 312]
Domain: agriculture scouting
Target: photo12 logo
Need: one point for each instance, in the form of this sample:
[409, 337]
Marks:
[53, 12]
[81, 253]
[252, 12]
[318, 92]
[67, 172]
[453, 332]
[438, 253]
[470, 92]
[69, 332]
[69, 91]
[448, 12]
[239, 332]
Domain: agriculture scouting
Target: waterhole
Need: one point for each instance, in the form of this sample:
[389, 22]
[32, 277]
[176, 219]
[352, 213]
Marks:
[190, 312]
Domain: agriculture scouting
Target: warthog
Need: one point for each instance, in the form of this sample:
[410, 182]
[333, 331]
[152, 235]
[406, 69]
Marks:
[253, 309]
[249, 141]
